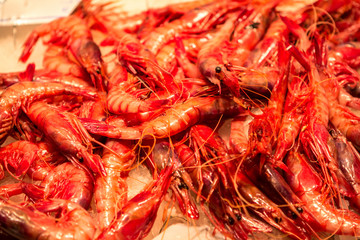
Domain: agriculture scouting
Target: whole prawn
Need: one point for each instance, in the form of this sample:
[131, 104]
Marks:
[309, 190]
[32, 222]
[135, 219]
[20, 94]
[64, 181]
[66, 132]
[111, 191]
[199, 19]
[174, 120]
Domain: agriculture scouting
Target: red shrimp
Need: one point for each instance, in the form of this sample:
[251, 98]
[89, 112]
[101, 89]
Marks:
[198, 19]
[251, 30]
[62, 31]
[66, 132]
[18, 95]
[210, 59]
[174, 120]
[267, 209]
[73, 222]
[308, 186]
[346, 122]
[64, 181]
[111, 191]
[162, 156]
[18, 156]
[265, 127]
[55, 59]
[135, 219]
[239, 134]
[139, 61]
[73, 33]
[349, 161]
[205, 183]
[121, 99]
[294, 112]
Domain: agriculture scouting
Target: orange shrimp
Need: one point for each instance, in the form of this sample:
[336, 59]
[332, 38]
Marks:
[239, 133]
[135, 219]
[139, 61]
[121, 99]
[62, 31]
[308, 185]
[111, 191]
[198, 19]
[210, 61]
[174, 120]
[55, 59]
[32, 222]
[64, 181]
[20, 94]
[67, 133]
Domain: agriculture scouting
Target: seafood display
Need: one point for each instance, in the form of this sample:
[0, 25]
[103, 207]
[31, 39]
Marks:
[245, 113]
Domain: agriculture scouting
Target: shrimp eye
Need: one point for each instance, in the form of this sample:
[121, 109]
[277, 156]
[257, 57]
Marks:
[277, 219]
[238, 217]
[299, 209]
[98, 71]
[183, 186]
[231, 221]
[218, 69]
[293, 215]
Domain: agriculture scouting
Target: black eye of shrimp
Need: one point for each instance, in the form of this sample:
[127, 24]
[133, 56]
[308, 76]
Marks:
[293, 215]
[231, 221]
[299, 209]
[218, 69]
[98, 71]
[254, 25]
[238, 217]
[277, 219]
[183, 186]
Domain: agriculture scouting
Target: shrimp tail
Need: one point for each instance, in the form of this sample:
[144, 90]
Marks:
[28, 46]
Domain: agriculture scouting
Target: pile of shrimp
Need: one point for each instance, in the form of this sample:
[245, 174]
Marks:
[242, 111]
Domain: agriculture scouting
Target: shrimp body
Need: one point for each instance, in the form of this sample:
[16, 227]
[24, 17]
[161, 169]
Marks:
[173, 120]
[66, 132]
[55, 59]
[119, 100]
[199, 18]
[61, 31]
[64, 181]
[74, 222]
[22, 93]
[19, 156]
[111, 191]
[135, 219]
[307, 184]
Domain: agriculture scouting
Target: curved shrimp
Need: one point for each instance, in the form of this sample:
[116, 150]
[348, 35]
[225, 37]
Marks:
[67, 133]
[199, 19]
[349, 161]
[64, 181]
[111, 191]
[174, 120]
[308, 185]
[139, 61]
[18, 95]
[55, 59]
[162, 156]
[121, 100]
[135, 219]
[62, 31]
[19, 156]
[73, 222]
